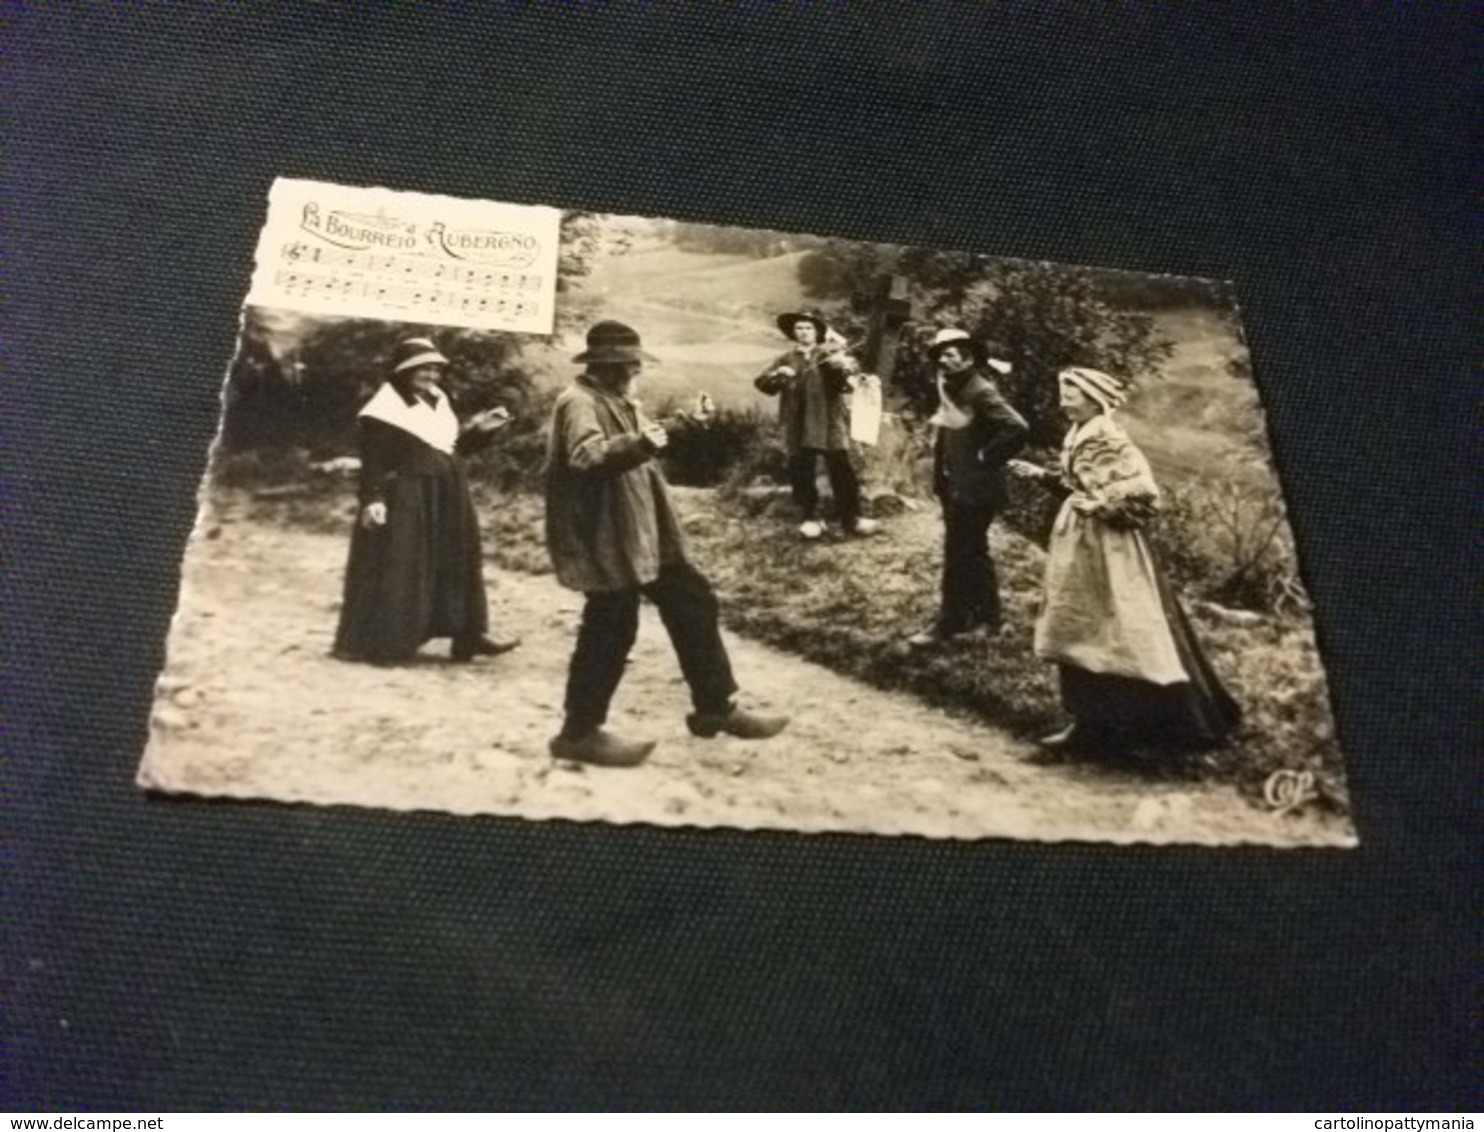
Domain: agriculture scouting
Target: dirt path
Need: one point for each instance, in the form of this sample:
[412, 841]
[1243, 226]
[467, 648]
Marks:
[252, 706]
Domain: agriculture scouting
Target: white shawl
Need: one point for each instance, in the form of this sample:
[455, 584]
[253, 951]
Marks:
[435, 425]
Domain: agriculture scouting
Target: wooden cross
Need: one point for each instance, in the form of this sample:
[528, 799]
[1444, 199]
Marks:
[886, 306]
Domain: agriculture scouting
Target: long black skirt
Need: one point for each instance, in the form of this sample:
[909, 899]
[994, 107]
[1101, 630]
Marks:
[419, 576]
[1120, 712]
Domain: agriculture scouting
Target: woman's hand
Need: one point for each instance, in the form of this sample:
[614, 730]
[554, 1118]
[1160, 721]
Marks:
[489, 420]
[373, 515]
[1085, 504]
[1025, 470]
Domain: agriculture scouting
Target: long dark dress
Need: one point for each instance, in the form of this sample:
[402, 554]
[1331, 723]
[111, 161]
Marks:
[419, 576]
[1122, 711]
[1132, 671]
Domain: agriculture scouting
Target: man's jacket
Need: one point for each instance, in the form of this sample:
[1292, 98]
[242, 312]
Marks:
[969, 462]
[813, 406]
[610, 524]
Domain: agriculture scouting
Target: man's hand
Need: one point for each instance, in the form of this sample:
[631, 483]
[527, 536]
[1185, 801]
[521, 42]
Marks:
[697, 417]
[656, 435]
[373, 515]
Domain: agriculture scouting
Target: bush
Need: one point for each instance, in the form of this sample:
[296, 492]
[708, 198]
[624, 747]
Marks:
[298, 381]
[1032, 509]
[515, 458]
[1045, 316]
[1227, 541]
[902, 459]
[728, 442]
[848, 606]
[1223, 541]
[1273, 670]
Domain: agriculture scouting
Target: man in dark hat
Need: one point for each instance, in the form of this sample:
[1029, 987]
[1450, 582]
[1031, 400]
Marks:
[613, 535]
[812, 384]
[977, 431]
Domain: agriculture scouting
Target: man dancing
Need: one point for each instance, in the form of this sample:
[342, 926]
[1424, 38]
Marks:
[613, 534]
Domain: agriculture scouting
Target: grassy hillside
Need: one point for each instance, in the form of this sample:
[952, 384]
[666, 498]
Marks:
[1200, 417]
[736, 286]
[707, 318]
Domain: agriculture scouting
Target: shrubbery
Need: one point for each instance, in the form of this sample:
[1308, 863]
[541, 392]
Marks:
[515, 457]
[1226, 541]
[1043, 317]
[298, 381]
[705, 454]
[849, 605]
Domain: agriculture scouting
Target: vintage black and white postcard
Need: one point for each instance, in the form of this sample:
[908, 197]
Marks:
[556, 514]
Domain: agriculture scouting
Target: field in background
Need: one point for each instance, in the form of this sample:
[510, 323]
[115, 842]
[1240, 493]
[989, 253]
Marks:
[709, 321]
[707, 318]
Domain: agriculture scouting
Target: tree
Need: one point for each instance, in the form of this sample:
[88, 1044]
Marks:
[1045, 316]
[299, 385]
[1048, 316]
[262, 401]
[585, 238]
[581, 240]
[834, 269]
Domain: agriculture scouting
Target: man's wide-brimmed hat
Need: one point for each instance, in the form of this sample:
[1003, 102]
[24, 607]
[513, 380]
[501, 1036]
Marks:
[611, 341]
[788, 318]
[413, 352]
[983, 353]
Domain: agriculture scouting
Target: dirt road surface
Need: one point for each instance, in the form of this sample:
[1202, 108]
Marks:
[251, 705]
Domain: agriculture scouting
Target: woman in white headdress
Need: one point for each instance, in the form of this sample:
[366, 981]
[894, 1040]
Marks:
[416, 566]
[1132, 671]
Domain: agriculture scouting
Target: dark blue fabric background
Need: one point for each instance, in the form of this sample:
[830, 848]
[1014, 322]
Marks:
[185, 955]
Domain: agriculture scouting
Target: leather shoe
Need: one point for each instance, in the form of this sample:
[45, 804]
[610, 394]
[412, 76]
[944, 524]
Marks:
[600, 748]
[465, 651]
[933, 635]
[735, 721]
[1055, 748]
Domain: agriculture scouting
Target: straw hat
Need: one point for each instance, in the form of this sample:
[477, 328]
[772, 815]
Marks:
[413, 352]
[982, 353]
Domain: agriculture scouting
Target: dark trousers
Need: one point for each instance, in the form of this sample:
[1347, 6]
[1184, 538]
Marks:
[843, 483]
[610, 623]
[971, 593]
